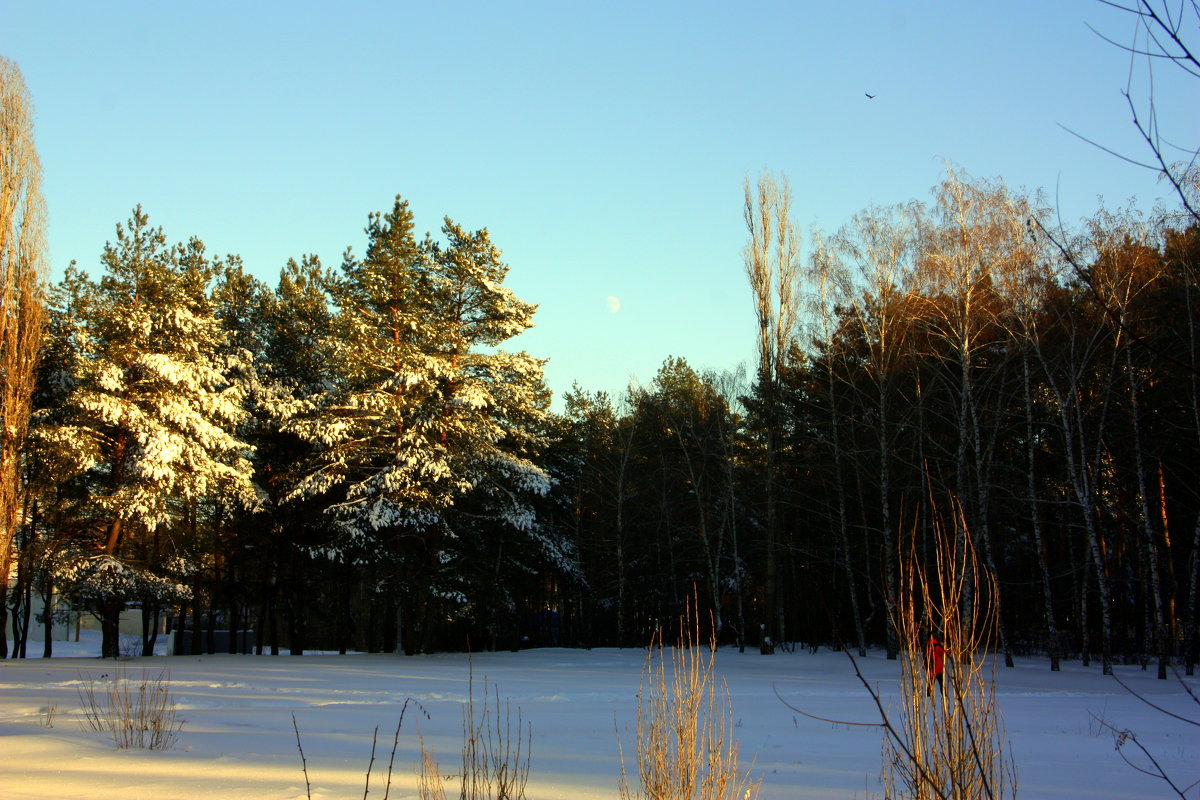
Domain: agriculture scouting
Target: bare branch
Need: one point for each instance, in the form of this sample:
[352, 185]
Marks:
[1110, 151]
[826, 719]
[1121, 736]
[1164, 167]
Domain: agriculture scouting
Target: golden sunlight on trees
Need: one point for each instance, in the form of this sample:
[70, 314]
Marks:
[947, 738]
[772, 258]
[22, 271]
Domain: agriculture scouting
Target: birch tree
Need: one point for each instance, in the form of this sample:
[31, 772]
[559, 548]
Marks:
[977, 231]
[1025, 284]
[1124, 274]
[878, 246]
[829, 284]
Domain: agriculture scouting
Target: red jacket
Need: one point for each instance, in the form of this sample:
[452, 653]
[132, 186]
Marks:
[935, 656]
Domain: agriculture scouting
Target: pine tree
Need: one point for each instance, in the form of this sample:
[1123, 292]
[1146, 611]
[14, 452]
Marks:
[425, 414]
[147, 424]
[297, 365]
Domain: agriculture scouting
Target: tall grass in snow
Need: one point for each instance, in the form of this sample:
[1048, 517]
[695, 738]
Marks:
[133, 712]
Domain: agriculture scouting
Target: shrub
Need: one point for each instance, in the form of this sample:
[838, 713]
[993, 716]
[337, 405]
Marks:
[134, 713]
[685, 744]
[947, 742]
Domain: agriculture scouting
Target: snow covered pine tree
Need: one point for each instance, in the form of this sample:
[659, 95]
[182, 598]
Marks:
[145, 427]
[425, 417]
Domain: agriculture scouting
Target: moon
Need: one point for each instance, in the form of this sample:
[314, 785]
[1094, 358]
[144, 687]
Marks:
[614, 304]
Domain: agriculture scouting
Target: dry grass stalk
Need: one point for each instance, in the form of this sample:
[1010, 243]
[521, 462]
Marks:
[135, 713]
[387, 789]
[947, 744]
[686, 749]
[495, 754]
[49, 712]
[431, 784]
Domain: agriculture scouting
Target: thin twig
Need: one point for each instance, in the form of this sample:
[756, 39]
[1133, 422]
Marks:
[825, 719]
[371, 763]
[1157, 707]
[892, 734]
[303, 761]
[387, 789]
[1126, 735]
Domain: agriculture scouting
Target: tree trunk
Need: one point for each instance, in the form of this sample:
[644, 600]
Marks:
[1192, 642]
[151, 613]
[5, 564]
[1149, 549]
[771, 630]
[1080, 482]
[110, 627]
[48, 621]
[295, 607]
[196, 648]
[1031, 499]
[891, 554]
[22, 601]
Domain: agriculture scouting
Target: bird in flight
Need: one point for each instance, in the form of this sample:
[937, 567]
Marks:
[869, 96]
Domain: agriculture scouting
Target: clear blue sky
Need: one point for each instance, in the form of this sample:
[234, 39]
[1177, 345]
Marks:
[604, 144]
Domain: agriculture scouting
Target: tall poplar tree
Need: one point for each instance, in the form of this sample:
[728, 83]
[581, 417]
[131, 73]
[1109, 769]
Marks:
[771, 259]
[22, 309]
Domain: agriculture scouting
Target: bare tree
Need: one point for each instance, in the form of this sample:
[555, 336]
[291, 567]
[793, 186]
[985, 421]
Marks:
[1078, 354]
[879, 245]
[1024, 283]
[22, 279]
[976, 232]
[1128, 266]
[1162, 32]
[830, 288]
[772, 259]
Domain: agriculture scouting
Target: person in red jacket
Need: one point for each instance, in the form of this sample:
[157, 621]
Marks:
[935, 662]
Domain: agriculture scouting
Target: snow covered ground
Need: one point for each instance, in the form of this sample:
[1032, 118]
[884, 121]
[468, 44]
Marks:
[237, 740]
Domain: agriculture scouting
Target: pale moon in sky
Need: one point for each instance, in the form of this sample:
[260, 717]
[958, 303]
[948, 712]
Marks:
[614, 304]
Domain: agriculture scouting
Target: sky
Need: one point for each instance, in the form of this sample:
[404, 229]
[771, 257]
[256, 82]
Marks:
[604, 145]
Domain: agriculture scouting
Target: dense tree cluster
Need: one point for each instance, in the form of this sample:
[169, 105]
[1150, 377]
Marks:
[345, 459]
[351, 459]
[962, 364]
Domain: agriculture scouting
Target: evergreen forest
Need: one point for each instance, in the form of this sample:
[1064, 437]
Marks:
[358, 458]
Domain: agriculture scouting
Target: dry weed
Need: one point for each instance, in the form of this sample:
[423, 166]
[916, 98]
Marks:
[134, 713]
[686, 749]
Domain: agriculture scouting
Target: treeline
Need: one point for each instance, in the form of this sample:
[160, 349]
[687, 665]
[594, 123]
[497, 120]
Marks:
[351, 459]
[961, 363]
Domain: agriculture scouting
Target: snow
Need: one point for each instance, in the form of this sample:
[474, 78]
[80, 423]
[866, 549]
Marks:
[237, 740]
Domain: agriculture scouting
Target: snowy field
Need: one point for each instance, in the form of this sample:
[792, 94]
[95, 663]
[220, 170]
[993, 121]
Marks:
[237, 739]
